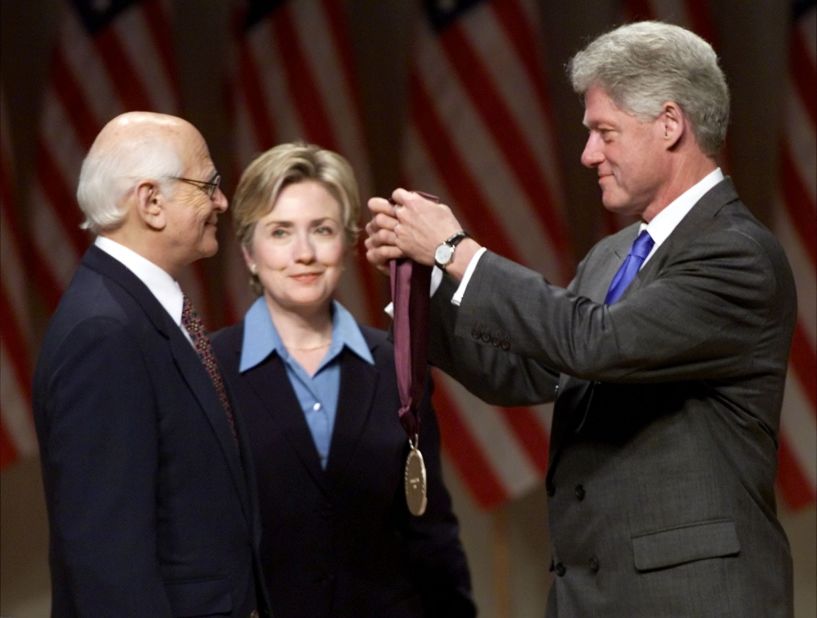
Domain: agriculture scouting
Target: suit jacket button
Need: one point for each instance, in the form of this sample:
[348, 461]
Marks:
[486, 337]
[580, 492]
[560, 569]
[594, 564]
[506, 345]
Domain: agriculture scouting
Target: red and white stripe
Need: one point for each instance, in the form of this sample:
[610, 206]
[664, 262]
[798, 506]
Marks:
[295, 80]
[480, 137]
[17, 436]
[127, 65]
[695, 15]
[796, 227]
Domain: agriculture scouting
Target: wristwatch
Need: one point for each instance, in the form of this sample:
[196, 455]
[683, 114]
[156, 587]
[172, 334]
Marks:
[444, 254]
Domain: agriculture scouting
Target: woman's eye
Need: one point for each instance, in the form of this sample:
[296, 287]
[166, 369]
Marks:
[325, 230]
[279, 233]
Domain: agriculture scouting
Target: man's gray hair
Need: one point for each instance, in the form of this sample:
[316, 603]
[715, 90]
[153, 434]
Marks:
[110, 172]
[643, 65]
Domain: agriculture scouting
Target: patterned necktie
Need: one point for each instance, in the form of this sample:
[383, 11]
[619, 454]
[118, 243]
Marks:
[629, 269]
[195, 328]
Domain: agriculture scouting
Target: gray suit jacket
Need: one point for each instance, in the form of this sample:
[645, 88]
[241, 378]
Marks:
[663, 446]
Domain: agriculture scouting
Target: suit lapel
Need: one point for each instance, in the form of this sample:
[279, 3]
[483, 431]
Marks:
[194, 373]
[595, 282]
[270, 383]
[185, 357]
[120, 275]
[687, 229]
[576, 395]
[358, 383]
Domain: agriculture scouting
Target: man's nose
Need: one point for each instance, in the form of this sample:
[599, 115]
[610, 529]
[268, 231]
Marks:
[592, 154]
[220, 200]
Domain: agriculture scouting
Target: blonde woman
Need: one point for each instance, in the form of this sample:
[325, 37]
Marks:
[318, 394]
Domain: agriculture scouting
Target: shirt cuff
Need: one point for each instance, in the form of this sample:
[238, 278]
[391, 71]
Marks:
[457, 298]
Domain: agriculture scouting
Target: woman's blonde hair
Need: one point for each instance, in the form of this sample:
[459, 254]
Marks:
[286, 164]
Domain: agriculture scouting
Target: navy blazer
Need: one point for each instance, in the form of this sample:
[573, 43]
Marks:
[340, 541]
[151, 510]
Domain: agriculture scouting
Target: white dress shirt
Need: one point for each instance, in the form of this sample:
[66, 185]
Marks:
[164, 287]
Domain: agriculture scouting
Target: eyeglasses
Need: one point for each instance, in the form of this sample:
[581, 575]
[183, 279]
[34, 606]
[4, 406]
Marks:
[208, 186]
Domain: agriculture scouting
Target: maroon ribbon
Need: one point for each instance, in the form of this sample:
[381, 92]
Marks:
[410, 283]
[409, 291]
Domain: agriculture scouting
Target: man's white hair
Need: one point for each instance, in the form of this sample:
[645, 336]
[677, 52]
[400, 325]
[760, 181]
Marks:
[114, 166]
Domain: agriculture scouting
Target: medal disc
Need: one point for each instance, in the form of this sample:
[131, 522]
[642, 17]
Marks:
[415, 482]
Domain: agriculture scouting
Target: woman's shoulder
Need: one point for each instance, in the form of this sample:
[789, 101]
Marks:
[378, 340]
[224, 337]
[374, 335]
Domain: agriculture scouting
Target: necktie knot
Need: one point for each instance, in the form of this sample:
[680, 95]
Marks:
[642, 246]
[629, 269]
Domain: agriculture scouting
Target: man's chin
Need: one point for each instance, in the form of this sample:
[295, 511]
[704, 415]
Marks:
[209, 249]
[618, 207]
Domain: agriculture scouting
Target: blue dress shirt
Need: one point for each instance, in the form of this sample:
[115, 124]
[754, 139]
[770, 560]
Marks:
[317, 394]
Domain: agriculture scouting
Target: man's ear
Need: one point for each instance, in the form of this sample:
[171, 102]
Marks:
[150, 204]
[673, 123]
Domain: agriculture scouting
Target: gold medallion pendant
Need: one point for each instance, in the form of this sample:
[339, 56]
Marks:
[415, 482]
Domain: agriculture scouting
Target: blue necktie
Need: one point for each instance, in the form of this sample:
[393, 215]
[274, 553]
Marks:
[629, 269]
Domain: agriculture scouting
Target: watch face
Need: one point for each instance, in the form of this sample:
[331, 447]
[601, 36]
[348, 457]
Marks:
[443, 254]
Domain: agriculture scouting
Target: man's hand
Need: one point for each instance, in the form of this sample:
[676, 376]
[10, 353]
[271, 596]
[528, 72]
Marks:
[381, 242]
[412, 226]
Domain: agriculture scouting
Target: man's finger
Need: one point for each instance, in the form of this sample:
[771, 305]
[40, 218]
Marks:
[378, 205]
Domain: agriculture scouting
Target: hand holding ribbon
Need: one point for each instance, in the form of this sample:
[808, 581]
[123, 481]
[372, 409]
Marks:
[409, 290]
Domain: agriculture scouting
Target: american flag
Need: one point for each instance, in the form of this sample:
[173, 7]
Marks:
[294, 79]
[796, 227]
[480, 135]
[17, 437]
[110, 57]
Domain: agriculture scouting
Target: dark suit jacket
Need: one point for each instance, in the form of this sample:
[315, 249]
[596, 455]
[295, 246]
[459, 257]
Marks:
[150, 509]
[340, 542]
[663, 447]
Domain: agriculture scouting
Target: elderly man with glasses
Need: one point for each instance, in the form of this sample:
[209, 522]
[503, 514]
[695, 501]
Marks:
[149, 490]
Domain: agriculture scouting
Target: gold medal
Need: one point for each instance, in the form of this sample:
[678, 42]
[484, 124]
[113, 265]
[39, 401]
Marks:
[415, 481]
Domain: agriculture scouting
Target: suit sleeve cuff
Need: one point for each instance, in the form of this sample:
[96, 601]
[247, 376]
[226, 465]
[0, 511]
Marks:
[457, 298]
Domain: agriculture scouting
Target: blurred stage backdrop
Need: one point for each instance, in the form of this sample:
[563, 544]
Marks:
[465, 99]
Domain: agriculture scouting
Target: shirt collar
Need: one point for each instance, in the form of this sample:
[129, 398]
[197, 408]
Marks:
[164, 287]
[261, 338]
[668, 219]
